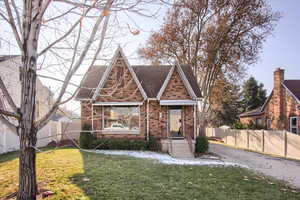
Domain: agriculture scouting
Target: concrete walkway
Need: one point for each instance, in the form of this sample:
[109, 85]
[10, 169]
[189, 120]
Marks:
[279, 168]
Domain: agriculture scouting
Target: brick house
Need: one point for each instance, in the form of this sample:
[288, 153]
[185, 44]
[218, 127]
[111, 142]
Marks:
[124, 101]
[281, 111]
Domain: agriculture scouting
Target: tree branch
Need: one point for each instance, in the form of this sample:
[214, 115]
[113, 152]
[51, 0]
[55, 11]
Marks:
[10, 114]
[13, 25]
[11, 126]
[42, 122]
[7, 96]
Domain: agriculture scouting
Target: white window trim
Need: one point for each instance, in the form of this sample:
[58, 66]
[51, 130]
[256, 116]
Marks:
[124, 132]
[291, 127]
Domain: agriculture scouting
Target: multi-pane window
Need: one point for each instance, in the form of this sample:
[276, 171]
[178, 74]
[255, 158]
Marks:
[121, 118]
[294, 125]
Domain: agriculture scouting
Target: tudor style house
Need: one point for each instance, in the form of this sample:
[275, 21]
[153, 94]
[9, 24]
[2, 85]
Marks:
[281, 111]
[125, 101]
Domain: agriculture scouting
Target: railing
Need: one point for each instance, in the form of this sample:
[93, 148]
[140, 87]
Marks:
[190, 141]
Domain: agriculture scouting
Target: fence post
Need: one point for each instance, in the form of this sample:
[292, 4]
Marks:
[248, 139]
[285, 143]
[226, 135]
[235, 137]
[263, 141]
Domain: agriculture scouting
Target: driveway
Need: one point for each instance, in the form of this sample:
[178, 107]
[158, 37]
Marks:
[279, 168]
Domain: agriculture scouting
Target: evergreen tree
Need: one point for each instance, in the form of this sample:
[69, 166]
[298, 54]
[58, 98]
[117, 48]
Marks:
[253, 94]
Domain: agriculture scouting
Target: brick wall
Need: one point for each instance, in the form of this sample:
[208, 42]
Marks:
[189, 120]
[175, 89]
[86, 112]
[120, 85]
[280, 107]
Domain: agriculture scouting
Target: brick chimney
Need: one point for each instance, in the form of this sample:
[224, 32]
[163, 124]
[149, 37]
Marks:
[278, 99]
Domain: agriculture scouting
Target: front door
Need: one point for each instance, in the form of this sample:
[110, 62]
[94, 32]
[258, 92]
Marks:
[175, 121]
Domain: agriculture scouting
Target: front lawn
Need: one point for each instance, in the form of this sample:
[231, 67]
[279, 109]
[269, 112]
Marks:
[72, 174]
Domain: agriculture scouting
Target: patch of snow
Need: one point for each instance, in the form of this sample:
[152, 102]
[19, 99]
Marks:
[167, 159]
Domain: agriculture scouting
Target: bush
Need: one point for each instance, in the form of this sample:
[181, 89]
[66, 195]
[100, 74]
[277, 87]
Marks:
[86, 138]
[201, 145]
[153, 144]
[126, 144]
[119, 144]
[239, 125]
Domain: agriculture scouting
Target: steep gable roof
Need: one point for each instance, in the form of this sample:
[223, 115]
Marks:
[90, 81]
[150, 77]
[294, 88]
[255, 112]
[118, 54]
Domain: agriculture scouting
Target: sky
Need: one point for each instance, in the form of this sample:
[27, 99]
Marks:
[282, 49]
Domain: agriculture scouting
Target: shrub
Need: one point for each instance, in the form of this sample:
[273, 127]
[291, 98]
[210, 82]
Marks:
[119, 144]
[86, 137]
[239, 125]
[201, 145]
[153, 144]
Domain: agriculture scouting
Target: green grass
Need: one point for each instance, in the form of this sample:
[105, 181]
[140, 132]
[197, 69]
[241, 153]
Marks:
[72, 174]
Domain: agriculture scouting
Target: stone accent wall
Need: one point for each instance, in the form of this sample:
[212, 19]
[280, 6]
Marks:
[175, 89]
[120, 85]
[188, 112]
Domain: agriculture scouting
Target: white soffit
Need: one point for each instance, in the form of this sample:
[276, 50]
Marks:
[118, 103]
[177, 102]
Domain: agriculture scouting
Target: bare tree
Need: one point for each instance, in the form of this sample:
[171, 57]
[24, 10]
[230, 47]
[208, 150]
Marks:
[217, 38]
[64, 31]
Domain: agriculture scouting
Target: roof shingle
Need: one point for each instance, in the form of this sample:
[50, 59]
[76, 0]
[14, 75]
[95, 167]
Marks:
[151, 78]
[294, 87]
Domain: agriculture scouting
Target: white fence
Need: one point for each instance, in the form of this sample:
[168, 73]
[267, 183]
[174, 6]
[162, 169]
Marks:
[53, 131]
[279, 143]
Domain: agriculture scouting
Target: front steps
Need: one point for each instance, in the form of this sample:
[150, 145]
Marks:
[180, 149]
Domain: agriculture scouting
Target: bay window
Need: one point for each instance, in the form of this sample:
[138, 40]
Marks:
[121, 118]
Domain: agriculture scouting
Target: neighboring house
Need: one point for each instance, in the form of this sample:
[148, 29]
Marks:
[68, 125]
[9, 72]
[281, 111]
[124, 101]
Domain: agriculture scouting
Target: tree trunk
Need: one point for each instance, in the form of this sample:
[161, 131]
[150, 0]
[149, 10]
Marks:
[27, 170]
[27, 131]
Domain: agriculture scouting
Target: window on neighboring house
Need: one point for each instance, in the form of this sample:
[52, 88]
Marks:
[121, 118]
[269, 124]
[294, 125]
[258, 121]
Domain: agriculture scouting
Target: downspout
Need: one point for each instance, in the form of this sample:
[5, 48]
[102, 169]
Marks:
[147, 131]
[92, 118]
[195, 122]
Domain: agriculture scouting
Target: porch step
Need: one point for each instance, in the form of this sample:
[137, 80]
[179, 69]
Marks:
[181, 149]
